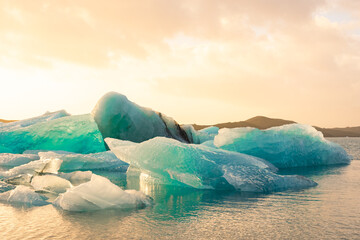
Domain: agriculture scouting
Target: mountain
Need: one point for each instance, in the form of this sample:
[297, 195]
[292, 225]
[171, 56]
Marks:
[262, 122]
[259, 122]
[6, 121]
[340, 132]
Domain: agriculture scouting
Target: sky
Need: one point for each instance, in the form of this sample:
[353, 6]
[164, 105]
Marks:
[198, 61]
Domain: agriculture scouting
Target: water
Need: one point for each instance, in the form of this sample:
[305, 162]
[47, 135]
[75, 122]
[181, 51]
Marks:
[329, 211]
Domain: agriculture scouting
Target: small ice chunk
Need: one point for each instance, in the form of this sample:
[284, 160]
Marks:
[21, 179]
[50, 183]
[12, 160]
[77, 177]
[23, 194]
[4, 187]
[99, 193]
[36, 167]
[72, 161]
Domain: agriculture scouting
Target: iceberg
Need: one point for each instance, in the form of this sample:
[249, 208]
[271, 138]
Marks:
[99, 193]
[78, 134]
[171, 162]
[31, 121]
[293, 145]
[12, 160]
[117, 117]
[50, 183]
[93, 161]
[25, 195]
[20, 179]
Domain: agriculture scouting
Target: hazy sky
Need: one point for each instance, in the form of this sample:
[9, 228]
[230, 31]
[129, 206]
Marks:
[197, 61]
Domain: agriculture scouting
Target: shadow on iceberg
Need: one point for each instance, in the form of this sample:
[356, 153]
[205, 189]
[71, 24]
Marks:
[171, 162]
[119, 118]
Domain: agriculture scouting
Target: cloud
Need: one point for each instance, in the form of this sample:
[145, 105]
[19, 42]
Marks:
[291, 59]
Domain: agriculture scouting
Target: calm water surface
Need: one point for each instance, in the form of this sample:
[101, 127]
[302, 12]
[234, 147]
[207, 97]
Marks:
[329, 211]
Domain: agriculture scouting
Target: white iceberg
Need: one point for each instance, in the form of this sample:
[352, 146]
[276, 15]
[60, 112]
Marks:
[174, 163]
[292, 145]
[77, 177]
[50, 183]
[99, 193]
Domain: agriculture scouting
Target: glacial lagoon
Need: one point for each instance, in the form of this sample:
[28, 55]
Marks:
[331, 210]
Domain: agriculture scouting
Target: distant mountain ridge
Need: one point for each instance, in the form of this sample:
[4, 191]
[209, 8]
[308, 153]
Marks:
[262, 122]
[6, 121]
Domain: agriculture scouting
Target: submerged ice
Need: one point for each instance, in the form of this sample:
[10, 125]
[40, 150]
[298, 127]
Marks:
[292, 145]
[174, 163]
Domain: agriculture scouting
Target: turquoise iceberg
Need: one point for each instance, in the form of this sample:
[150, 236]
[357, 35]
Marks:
[293, 145]
[31, 121]
[171, 162]
[78, 134]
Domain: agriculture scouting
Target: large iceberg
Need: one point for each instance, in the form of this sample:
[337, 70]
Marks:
[174, 163]
[93, 161]
[100, 193]
[293, 145]
[78, 134]
[117, 117]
